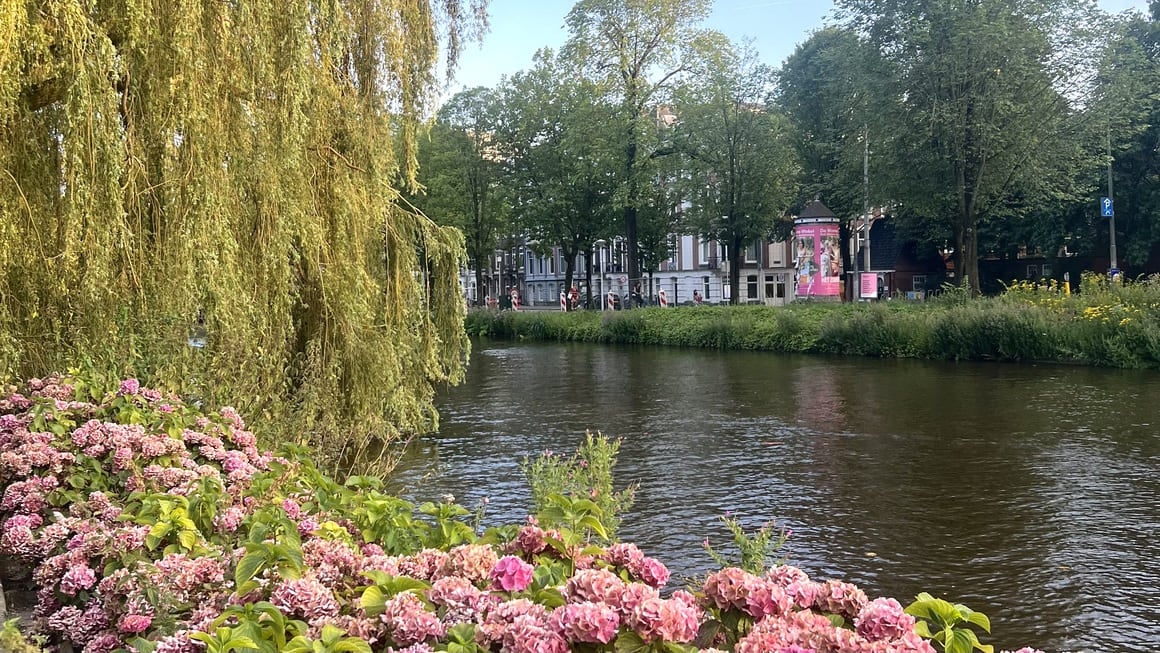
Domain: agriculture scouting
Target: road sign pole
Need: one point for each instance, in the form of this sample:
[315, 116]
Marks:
[1112, 217]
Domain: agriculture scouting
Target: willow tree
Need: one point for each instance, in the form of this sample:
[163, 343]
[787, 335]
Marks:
[230, 167]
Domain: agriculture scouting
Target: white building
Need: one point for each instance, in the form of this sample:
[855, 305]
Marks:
[695, 264]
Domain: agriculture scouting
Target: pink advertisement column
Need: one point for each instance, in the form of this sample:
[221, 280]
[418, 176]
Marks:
[817, 254]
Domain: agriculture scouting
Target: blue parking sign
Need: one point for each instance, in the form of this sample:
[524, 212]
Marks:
[1107, 209]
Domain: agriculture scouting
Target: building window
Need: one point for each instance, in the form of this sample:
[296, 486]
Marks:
[751, 252]
[769, 285]
[1032, 272]
[919, 282]
[751, 287]
[781, 291]
[705, 285]
[552, 263]
[704, 262]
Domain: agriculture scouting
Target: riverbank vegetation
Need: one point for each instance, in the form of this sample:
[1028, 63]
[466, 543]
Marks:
[1105, 324]
[154, 526]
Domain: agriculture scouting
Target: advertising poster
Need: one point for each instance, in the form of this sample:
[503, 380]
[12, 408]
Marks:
[869, 285]
[817, 260]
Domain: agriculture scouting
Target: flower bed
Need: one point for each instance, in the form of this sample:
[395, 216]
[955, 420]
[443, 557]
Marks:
[154, 526]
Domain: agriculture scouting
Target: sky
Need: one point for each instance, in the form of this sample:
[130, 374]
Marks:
[518, 28]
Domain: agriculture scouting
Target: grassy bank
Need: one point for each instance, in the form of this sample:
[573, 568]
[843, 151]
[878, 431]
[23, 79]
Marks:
[1106, 325]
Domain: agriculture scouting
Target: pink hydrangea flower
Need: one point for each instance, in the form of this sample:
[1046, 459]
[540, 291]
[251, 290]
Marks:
[474, 562]
[511, 574]
[306, 598]
[883, 619]
[594, 585]
[135, 623]
[409, 622]
[666, 620]
[78, 577]
[587, 622]
[838, 597]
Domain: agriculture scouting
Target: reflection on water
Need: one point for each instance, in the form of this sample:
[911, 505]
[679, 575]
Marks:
[1026, 492]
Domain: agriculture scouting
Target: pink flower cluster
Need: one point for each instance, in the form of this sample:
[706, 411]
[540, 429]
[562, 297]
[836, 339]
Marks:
[733, 588]
[305, 598]
[511, 574]
[810, 631]
[409, 622]
[641, 567]
[520, 626]
[587, 622]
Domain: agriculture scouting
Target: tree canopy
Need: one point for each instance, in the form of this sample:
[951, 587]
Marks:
[232, 167]
[971, 107]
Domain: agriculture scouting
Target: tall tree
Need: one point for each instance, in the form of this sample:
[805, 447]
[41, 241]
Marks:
[742, 167]
[636, 50]
[561, 155]
[820, 89]
[971, 105]
[237, 161]
[462, 174]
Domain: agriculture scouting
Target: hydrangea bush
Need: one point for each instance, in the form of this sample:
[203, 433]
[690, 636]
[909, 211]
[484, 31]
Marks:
[154, 526]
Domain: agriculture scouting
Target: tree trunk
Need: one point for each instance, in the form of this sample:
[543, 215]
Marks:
[966, 256]
[587, 277]
[478, 283]
[630, 152]
[735, 258]
[569, 273]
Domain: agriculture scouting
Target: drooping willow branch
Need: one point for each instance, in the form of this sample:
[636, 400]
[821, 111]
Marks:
[229, 168]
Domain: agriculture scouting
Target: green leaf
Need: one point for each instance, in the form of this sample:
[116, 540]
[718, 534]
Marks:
[963, 640]
[922, 629]
[188, 539]
[977, 618]
[630, 642]
[373, 601]
[351, 645]
[247, 568]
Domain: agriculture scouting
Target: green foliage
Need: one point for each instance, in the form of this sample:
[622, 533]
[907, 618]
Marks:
[449, 530]
[576, 492]
[633, 51]
[983, 131]
[575, 515]
[203, 170]
[949, 625]
[561, 150]
[13, 641]
[330, 640]
[757, 551]
[264, 624]
[224, 640]
[1118, 327]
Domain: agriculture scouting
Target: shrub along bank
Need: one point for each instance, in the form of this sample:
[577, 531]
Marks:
[1107, 325]
[156, 527]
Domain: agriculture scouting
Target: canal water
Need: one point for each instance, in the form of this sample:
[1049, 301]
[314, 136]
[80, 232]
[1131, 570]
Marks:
[1029, 492]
